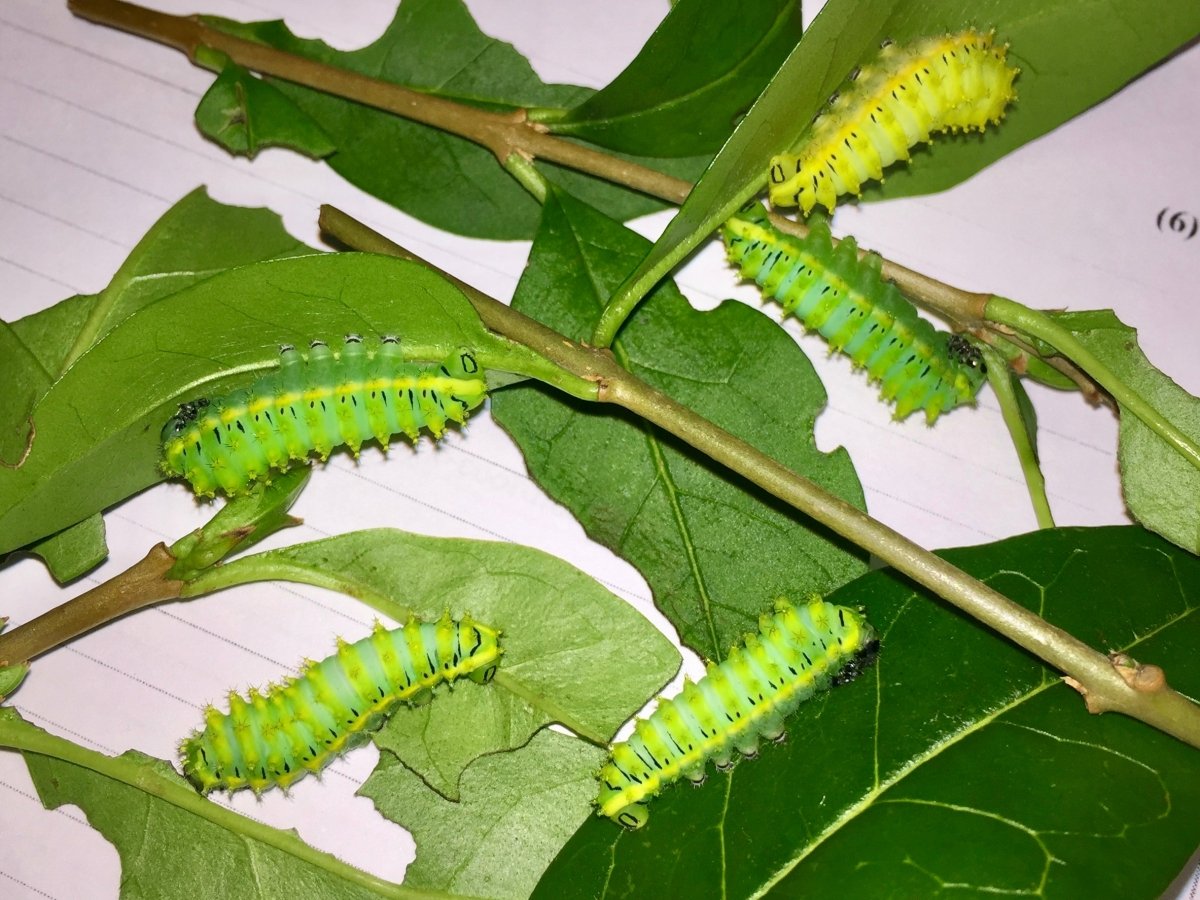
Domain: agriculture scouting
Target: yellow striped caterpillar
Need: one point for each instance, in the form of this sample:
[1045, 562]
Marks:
[278, 737]
[847, 301]
[797, 651]
[315, 402]
[946, 83]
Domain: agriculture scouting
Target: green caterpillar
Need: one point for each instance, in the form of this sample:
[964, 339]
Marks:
[846, 300]
[946, 83]
[278, 737]
[797, 652]
[314, 403]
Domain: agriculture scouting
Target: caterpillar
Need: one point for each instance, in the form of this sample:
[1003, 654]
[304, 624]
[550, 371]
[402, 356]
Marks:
[797, 652]
[844, 298]
[946, 83]
[279, 736]
[313, 403]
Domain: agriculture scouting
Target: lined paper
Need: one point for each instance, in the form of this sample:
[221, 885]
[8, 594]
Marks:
[98, 142]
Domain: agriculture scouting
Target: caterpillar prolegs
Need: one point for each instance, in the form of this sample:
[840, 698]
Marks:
[315, 402]
[945, 83]
[278, 737]
[797, 651]
[845, 299]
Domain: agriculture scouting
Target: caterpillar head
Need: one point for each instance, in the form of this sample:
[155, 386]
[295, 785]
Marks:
[185, 415]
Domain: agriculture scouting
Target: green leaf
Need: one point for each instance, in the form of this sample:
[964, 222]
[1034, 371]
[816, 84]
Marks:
[699, 71]
[713, 551]
[194, 240]
[73, 551]
[517, 811]
[239, 524]
[1159, 485]
[111, 404]
[24, 380]
[434, 46]
[230, 109]
[1072, 54]
[561, 632]
[959, 765]
[173, 842]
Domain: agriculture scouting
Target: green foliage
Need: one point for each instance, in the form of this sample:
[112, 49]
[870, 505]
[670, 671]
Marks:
[958, 764]
[516, 812]
[714, 553]
[230, 110]
[957, 760]
[560, 632]
[73, 551]
[695, 76]
[171, 851]
[1159, 484]
[433, 46]
[112, 402]
[194, 240]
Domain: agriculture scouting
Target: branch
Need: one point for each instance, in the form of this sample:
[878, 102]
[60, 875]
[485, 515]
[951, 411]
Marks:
[1039, 325]
[502, 133]
[145, 583]
[1098, 678]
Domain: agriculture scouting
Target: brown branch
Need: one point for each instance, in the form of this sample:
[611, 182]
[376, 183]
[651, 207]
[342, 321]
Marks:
[143, 584]
[502, 133]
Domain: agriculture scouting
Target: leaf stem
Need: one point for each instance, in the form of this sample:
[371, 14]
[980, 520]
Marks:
[1001, 380]
[522, 168]
[1039, 325]
[1105, 688]
[17, 734]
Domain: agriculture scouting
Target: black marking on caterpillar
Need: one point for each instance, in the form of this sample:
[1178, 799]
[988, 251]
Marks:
[277, 737]
[313, 403]
[847, 301]
[796, 652]
[955, 82]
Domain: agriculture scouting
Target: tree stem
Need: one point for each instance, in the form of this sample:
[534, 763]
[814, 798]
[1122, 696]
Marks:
[502, 133]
